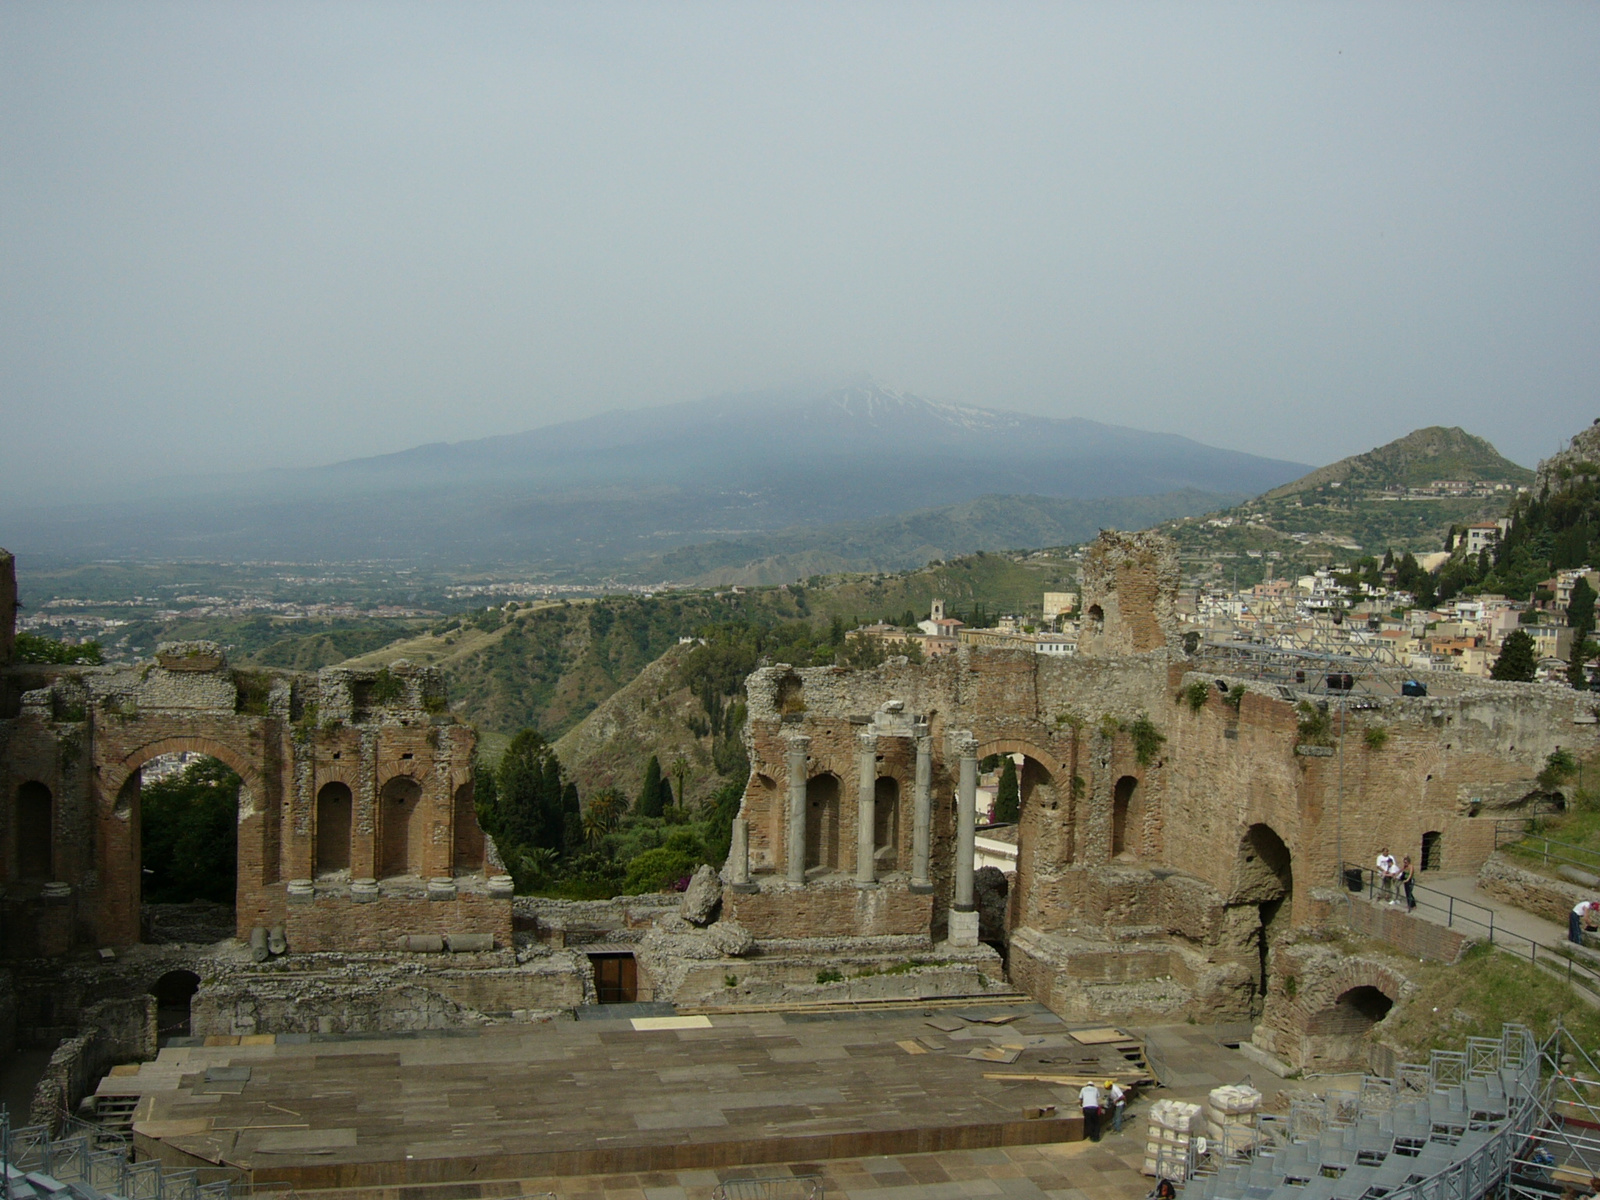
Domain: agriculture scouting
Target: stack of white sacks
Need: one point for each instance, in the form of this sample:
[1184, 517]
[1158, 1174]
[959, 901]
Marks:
[1230, 1118]
[1166, 1147]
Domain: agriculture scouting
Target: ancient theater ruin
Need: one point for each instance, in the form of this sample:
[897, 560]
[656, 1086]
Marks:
[1178, 858]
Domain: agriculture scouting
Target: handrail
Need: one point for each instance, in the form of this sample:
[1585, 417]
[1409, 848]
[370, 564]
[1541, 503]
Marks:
[1544, 852]
[1460, 912]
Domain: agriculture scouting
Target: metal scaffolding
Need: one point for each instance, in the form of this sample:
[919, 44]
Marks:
[1504, 1117]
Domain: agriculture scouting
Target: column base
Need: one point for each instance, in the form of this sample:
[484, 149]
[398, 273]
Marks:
[744, 889]
[920, 889]
[963, 928]
[866, 883]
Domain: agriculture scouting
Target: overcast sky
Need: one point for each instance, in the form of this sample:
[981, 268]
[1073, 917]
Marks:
[278, 234]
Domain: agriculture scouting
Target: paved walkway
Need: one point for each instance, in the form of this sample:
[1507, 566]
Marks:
[1514, 928]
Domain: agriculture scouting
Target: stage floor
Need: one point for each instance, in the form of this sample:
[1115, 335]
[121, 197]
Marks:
[589, 1097]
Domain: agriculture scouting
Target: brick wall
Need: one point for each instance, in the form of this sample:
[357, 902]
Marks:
[337, 923]
[834, 908]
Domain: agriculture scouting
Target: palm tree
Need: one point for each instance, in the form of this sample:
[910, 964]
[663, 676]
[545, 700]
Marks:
[680, 769]
[601, 814]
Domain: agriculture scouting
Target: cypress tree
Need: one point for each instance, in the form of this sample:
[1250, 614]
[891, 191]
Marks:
[1008, 803]
[650, 794]
[1518, 661]
[1580, 615]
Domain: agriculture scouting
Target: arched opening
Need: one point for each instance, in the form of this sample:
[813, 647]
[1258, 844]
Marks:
[400, 844]
[886, 822]
[35, 832]
[1432, 858]
[822, 822]
[187, 808]
[1265, 878]
[1127, 817]
[1043, 839]
[1095, 616]
[469, 848]
[1337, 1035]
[334, 805]
[174, 993]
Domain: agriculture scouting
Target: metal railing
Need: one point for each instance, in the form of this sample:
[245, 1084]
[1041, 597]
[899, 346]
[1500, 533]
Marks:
[1479, 920]
[83, 1155]
[1529, 842]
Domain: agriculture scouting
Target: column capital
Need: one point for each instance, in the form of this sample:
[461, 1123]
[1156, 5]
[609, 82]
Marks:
[867, 741]
[797, 743]
[961, 744]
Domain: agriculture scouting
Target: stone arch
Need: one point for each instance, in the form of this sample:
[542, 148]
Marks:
[468, 844]
[174, 993]
[1044, 827]
[1340, 1013]
[1127, 817]
[401, 827]
[335, 813]
[822, 821]
[118, 854]
[886, 822]
[1264, 877]
[35, 836]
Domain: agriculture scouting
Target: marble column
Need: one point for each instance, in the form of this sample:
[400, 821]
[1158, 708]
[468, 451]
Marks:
[739, 854]
[795, 851]
[922, 815]
[966, 823]
[866, 807]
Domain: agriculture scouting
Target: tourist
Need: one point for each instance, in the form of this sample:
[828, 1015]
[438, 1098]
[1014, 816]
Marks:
[1162, 1191]
[1386, 872]
[1119, 1104]
[1408, 880]
[1089, 1097]
[1583, 914]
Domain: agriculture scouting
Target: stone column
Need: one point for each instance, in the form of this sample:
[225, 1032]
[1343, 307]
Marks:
[866, 808]
[922, 814]
[795, 854]
[739, 854]
[964, 914]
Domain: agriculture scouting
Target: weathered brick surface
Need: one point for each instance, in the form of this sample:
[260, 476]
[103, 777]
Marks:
[85, 733]
[830, 909]
[334, 923]
[1411, 935]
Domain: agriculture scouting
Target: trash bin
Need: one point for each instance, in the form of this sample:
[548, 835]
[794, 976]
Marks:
[1352, 878]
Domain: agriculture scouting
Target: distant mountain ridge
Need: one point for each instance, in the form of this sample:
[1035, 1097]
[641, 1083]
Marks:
[589, 495]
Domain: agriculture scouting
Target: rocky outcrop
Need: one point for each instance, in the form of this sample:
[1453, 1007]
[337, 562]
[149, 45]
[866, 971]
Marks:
[702, 898]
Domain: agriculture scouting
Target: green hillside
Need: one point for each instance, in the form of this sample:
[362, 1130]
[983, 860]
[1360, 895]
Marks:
[550, 665]
[898, 543]
[1362, 502]
[1415, 460]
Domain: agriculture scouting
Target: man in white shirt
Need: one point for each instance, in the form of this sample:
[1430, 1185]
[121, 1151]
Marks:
[1581, 915]
[1386, 874]
[1089, 1097]
[1119, 1103]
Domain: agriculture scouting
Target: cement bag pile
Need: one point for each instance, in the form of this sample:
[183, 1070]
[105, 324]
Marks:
[1231, 1118]
[1166, 1146]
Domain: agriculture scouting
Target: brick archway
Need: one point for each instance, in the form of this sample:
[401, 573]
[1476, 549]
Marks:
[1045, 830]
[1349, 977]
[119, 854]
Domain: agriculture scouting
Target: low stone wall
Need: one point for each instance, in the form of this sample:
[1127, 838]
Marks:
[337, 923]
[833, 907]
[1512, 884]
[1151, 980]
[115, 1031]
[364, 995]
[1412, 935]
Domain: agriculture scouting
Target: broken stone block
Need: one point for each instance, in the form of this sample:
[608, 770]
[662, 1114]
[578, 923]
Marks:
[732, 939]
[703, 896]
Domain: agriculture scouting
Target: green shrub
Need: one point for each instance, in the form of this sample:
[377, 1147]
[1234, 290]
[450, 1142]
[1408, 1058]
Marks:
[1196, 694]
[35, 648]
[1316, 727]
[1376, 737]
[658, 869]
[1147, 740]
[1559, 767]
[829, 976]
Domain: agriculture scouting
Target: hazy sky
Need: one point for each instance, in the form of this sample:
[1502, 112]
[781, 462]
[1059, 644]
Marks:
[277, 234]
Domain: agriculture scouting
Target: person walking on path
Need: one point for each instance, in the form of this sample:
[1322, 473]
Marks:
[1089, 1097]
[1408, 880]
[1119, 1104]
[1582, 914]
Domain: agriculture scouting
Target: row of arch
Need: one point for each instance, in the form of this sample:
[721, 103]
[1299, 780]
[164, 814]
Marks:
[824, 818]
